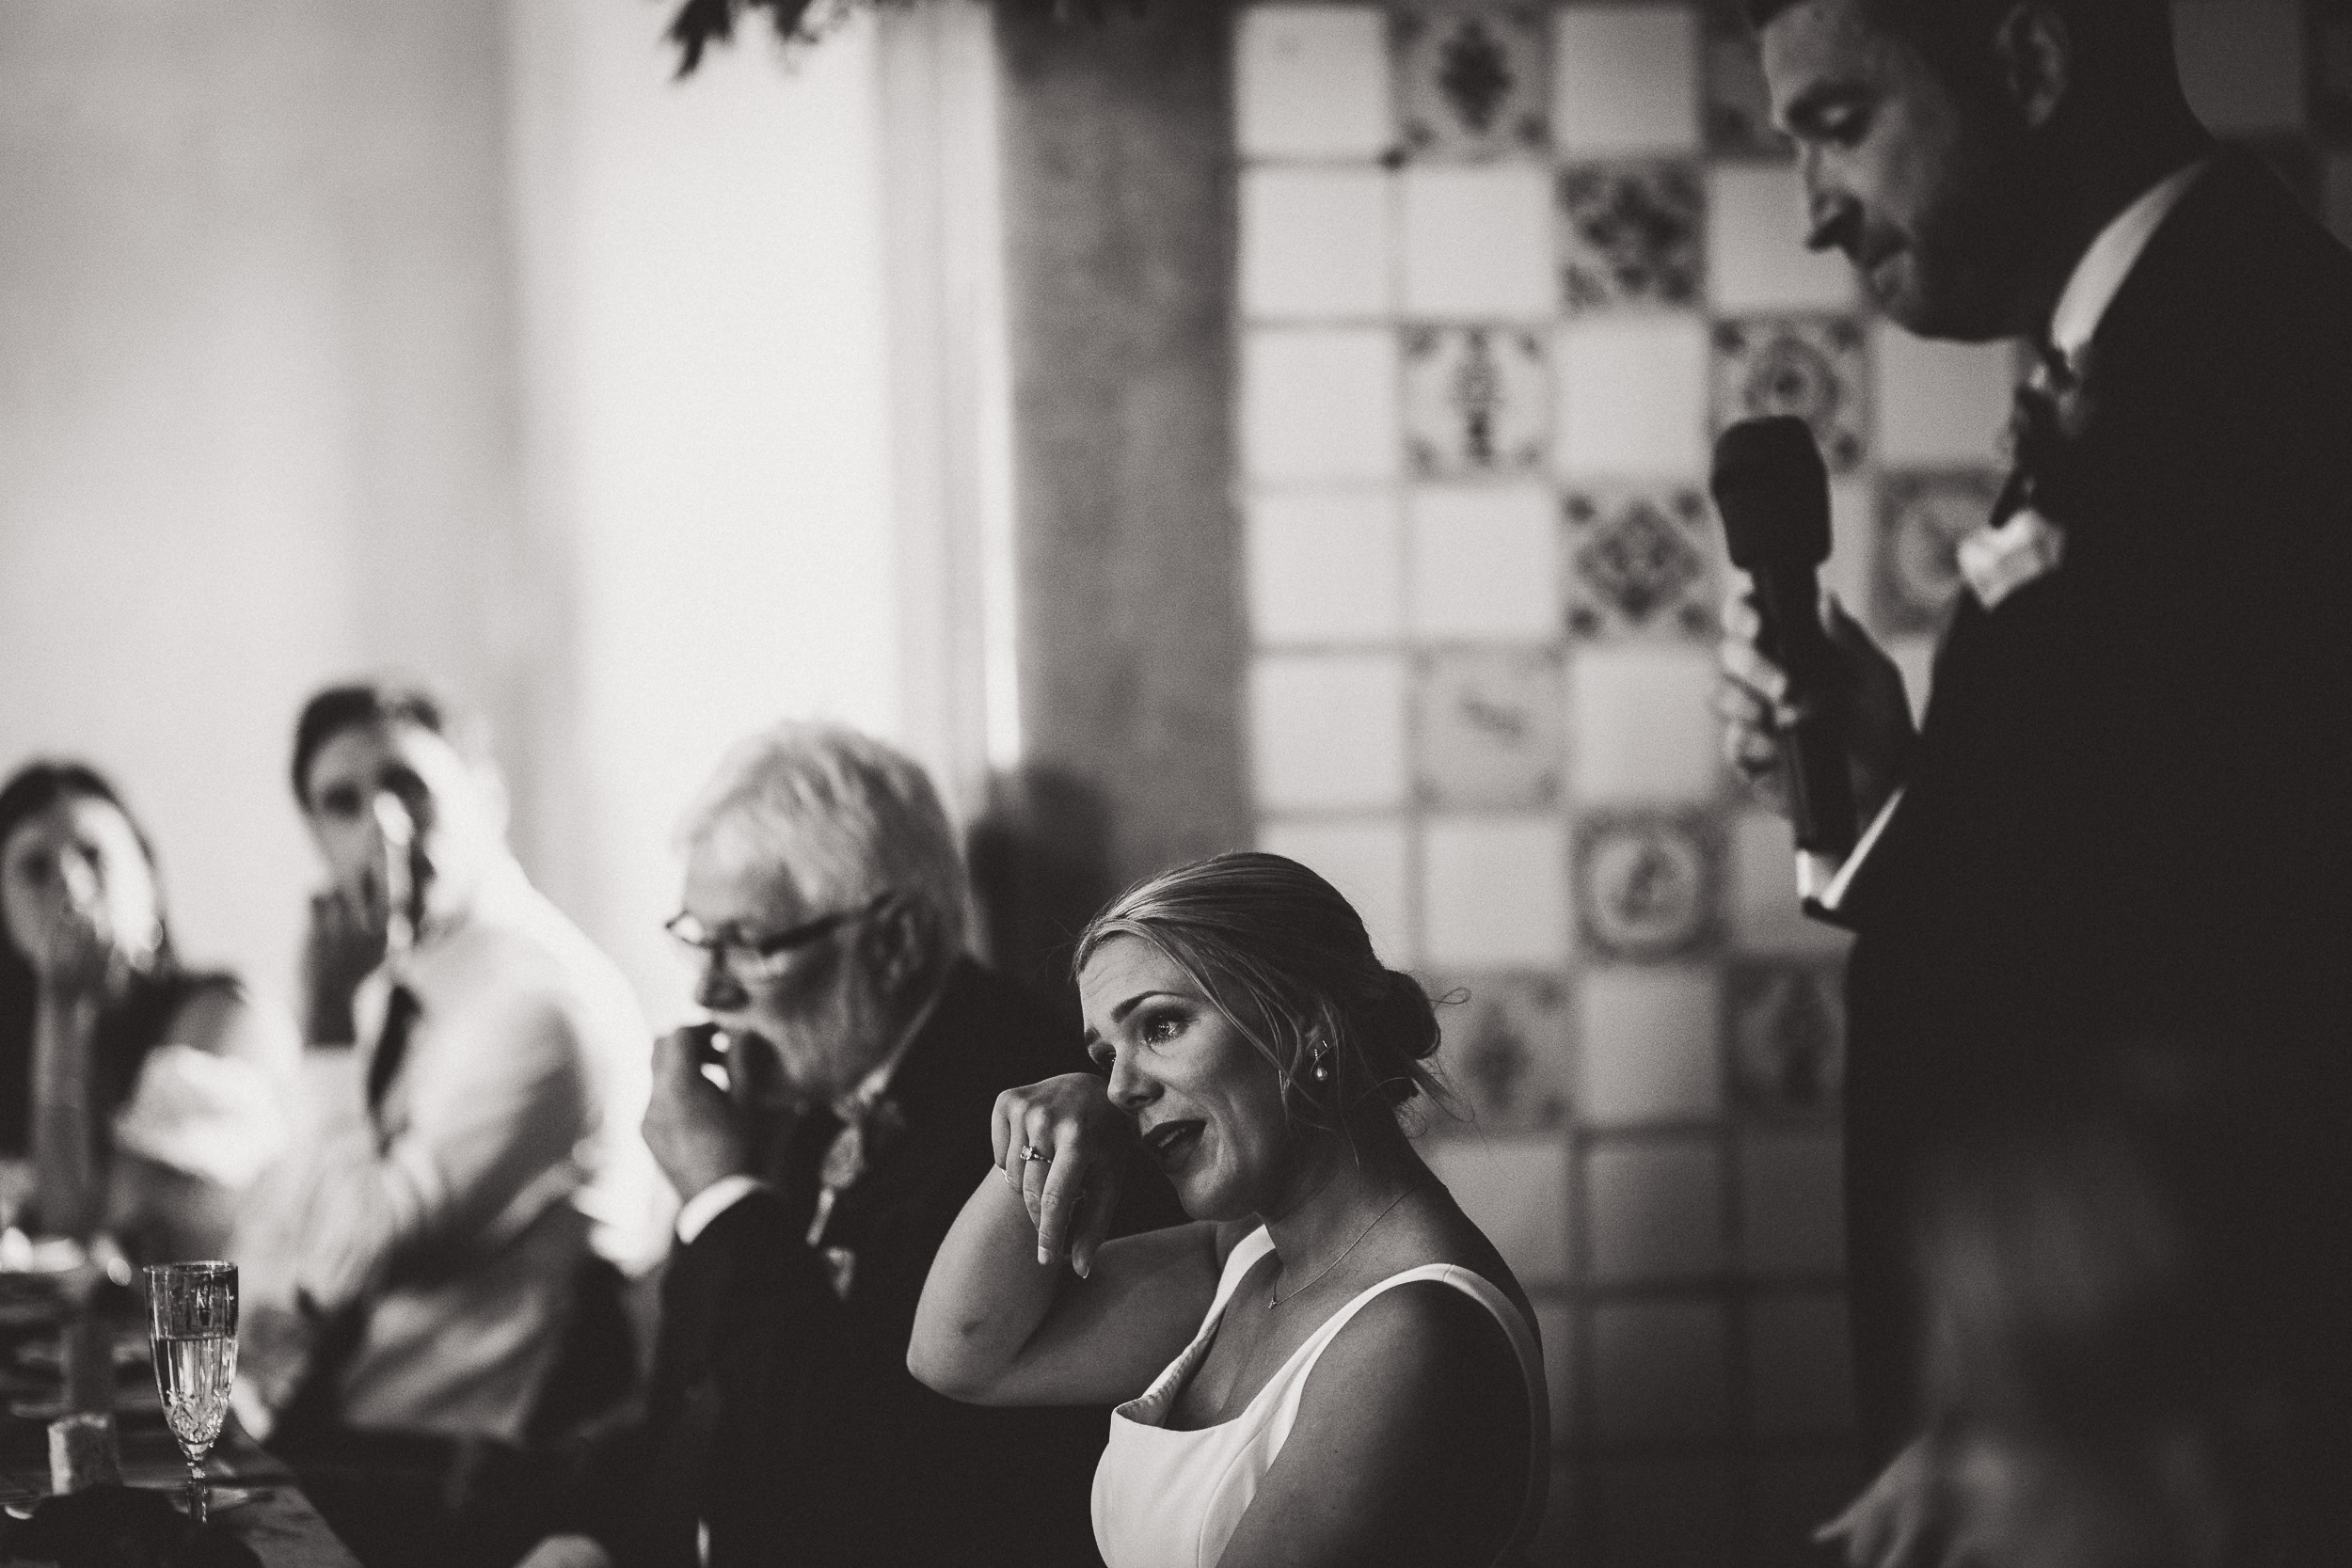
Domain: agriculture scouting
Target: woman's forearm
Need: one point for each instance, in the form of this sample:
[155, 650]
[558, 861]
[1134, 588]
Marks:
[986, 1296]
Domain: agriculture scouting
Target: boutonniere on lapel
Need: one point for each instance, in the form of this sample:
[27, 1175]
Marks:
[854, 1148]
[2023, 542]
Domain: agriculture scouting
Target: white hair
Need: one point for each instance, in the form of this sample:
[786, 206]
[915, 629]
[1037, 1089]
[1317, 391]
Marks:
[847, 817]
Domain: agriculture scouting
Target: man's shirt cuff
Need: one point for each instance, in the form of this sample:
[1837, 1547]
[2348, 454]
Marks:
[1823, 883]
[695, 1215]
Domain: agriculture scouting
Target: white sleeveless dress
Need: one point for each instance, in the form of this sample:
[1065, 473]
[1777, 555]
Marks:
[1173, 1499]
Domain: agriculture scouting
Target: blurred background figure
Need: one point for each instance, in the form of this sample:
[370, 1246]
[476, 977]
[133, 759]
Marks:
[449, 1254]
[826, 906]
[137, 1097]
[2120, 1350]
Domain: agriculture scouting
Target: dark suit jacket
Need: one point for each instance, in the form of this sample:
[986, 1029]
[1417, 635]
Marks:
[785, 1417]
[2127, 815]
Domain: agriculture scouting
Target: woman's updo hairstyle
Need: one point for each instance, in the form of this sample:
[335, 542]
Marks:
[1286, 960]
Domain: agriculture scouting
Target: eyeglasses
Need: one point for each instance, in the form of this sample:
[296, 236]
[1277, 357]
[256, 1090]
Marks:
[755, 960]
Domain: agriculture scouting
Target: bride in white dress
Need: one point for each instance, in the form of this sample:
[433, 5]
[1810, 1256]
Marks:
[1330, 1364]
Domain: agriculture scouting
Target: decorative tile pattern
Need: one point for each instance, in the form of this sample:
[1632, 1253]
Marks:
[1630, 234]
[1812, 367]
[1639, 563]
[1505, 266]
[1489, 729]
[1476, 401]
[1470, 82]
[1507, 1036]
[1786, 1029]
[1922, 518]
[1646, 884]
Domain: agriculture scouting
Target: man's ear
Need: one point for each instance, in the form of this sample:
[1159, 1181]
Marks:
[897, 940]
[2033, 49]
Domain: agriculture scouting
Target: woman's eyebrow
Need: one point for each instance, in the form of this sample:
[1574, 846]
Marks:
[1135, 1001]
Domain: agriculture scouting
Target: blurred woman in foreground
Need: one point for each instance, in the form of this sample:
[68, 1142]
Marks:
[1330, 1364]
[137, 1098]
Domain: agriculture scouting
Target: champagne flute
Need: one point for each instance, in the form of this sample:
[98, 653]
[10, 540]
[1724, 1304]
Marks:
[192, 1329]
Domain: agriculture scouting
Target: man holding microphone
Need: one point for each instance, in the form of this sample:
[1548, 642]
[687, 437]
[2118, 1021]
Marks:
[2116, 848]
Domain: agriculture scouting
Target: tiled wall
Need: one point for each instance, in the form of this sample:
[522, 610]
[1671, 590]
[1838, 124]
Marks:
[1504, 271]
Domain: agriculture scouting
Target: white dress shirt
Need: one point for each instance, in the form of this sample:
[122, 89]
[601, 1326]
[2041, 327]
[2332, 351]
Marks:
[505, 1146]
[1822, 882]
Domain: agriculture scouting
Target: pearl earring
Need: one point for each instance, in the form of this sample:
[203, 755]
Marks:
[1322, 1069]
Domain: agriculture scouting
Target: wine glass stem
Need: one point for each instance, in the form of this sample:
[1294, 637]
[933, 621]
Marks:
[196, 1498]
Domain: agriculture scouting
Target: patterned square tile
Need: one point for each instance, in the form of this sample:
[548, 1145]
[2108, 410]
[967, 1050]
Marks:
[1476, 401]
[1315, 242]
[1792, 1204]
[1630, 234]
[1641, 563]
[1655, 1210]
[1922, 519]
[1941, 404]
[1737, 108]
[1515, 1189]
[1766, 917]
[1659, 1372]
[1625, 79]
[1312, 82]
[1477, 240]
[1470, 81]
[1786, 1029]
[1813, 367]
[1369, 861]
[1483, 565]
[1633, 397]
[1799, 1373]
[1642, 725]
[1646, 1044]
[1325, 567]
[1319, 404]
[1506, 1045]
[1489, 730]
[2241, 62]
[1328, 731]
[1648, 883]
[1663, 1513]
[1493, 895]
[1755, 245]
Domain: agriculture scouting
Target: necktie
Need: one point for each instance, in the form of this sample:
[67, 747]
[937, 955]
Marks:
[401, 1011]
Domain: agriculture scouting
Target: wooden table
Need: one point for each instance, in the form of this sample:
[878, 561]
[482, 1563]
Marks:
[275, 1520]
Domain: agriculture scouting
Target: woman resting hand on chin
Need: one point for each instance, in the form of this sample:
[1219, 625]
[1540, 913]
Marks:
[1330, 1364]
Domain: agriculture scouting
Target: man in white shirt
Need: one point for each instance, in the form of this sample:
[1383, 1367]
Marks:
[2118, 837]
[441, 1230]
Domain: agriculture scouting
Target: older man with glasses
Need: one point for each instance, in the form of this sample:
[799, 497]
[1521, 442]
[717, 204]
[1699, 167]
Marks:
[823, 1127]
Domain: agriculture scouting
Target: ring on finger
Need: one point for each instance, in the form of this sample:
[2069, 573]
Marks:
[1030, 1152]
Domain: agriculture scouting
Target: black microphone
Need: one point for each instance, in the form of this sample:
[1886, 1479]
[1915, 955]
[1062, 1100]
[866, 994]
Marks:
[1773, 495]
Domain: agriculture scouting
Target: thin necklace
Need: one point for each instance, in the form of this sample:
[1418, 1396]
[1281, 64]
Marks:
[1272, 1302]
